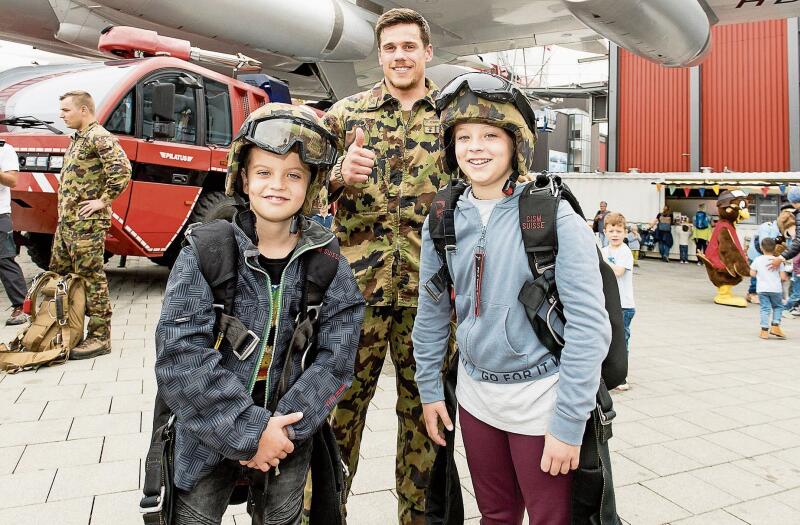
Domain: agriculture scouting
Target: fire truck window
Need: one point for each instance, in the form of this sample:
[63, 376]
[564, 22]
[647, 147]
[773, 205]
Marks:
[185, 113]
[121, 120]
[218, 111]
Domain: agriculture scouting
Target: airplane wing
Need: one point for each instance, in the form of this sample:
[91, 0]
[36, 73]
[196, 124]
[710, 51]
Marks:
[326, 48]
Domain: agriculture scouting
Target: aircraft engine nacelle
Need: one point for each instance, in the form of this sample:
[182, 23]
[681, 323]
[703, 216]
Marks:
[673, 33]
[333, 30]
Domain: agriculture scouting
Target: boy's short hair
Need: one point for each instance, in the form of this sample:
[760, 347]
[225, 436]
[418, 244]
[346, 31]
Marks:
[614, 219]
[768, 245]
[398, 16]
[80, 98]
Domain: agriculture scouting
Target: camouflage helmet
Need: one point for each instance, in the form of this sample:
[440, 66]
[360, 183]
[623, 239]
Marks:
[467, 106]
[303, 132]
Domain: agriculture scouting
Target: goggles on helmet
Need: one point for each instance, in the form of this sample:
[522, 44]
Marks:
[317, 147]
[489, 87]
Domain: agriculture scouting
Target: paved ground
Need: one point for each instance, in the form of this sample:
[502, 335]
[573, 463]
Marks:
[709, 434]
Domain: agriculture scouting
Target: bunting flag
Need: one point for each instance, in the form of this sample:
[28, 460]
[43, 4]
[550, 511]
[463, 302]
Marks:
[671, 189]
[701, 191]
[715, 187]
[659, 186]
[687, 190]
[764, 190]
[782, 187]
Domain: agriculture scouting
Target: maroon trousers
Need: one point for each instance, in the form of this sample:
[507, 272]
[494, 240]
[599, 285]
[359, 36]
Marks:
[508, 480]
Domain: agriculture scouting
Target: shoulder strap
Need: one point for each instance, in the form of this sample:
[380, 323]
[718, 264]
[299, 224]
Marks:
[218, 257]
[321, 267]
[442, 229]
[538, 209]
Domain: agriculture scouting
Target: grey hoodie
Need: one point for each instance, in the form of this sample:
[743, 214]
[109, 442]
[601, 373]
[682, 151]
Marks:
[499, 344]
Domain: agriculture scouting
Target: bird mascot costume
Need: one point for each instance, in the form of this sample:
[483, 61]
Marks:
[724, 258]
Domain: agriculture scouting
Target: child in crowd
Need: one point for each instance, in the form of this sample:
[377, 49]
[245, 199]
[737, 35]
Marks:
[621, 260]
[522, 426]
[221, 395]
[684, 234]
[770, 291]
[634, 242]
[702, 230]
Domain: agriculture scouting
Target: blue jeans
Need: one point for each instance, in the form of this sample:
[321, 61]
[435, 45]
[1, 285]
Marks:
[684, 248]
[627, 317]
[770, 303]
[794, 296]
[206, 502]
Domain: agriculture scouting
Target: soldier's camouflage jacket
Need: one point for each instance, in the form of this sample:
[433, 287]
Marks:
[95, 167]
[378, 222]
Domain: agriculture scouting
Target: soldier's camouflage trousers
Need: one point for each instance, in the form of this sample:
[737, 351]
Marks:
[389, 328]
[78, 247]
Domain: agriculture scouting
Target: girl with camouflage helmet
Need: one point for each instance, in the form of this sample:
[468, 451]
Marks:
[238, 415]
[522, 423]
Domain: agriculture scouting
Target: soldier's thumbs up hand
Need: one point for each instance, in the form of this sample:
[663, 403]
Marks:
[358, 161]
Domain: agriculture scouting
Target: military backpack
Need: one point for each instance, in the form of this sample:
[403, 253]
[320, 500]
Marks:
[57, 307]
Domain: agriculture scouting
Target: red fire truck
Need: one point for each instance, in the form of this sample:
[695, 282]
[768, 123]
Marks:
[174, 119]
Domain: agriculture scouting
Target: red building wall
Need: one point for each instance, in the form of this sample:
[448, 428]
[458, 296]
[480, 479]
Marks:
[745, 100]
[653, 123]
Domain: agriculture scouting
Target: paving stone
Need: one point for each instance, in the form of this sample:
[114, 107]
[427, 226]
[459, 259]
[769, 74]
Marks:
[100, 478]
[11, 412]
[132, 403]
[378, 444]
[374, 474]
[69, 512]
[125, 446]
[660, 459]
[9, 457]
[773, 469]
[741, 443]
[733, 480]
[627, 472]
[789, 497]
[704, 452]
[674, 427]
[372, 509]
[26, 488]
[117, 388]
[690, 493]
[83, 377]
[60, 454]
[641, 506]
[34, 432]
[764, 511]
[385, 419]
[638, 434]
[64, 408]
[119, 508]
[717, 517]
[51, 393]
[105, 425]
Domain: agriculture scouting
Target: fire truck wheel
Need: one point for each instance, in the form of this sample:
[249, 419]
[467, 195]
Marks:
[40, 245]
[211, 205]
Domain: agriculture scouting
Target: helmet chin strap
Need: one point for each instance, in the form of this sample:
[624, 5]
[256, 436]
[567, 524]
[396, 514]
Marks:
[510, 184]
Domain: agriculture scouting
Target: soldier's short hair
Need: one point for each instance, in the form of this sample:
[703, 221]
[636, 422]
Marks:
[397, 16]
[81, 98]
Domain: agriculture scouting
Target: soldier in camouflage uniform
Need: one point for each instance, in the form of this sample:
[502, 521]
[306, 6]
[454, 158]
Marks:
[384, 186]
[95, 172]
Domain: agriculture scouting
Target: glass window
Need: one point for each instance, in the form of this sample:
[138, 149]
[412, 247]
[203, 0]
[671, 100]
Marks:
[580, 145]
[184, 114]
[38, 88]
[121, 120]
[218, 113]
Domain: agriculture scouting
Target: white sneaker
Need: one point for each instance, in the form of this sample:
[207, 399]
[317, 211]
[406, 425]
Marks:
[624, 387]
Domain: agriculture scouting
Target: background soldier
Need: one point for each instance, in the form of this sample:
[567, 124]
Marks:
[10, 272]
[95, 172]
[384, 185]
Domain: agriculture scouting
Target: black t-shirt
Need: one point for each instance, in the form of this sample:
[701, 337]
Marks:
[274, 268]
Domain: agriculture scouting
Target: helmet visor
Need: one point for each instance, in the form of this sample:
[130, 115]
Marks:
[279, 135]
[489, 87]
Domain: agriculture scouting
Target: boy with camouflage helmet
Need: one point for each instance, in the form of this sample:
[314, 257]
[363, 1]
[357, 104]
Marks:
[242, 414]
[95, 171]
[522, 411]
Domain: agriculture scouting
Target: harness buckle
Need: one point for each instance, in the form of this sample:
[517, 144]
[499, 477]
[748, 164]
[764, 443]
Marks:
[159, 506]
[605, 418]
[251, 346]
